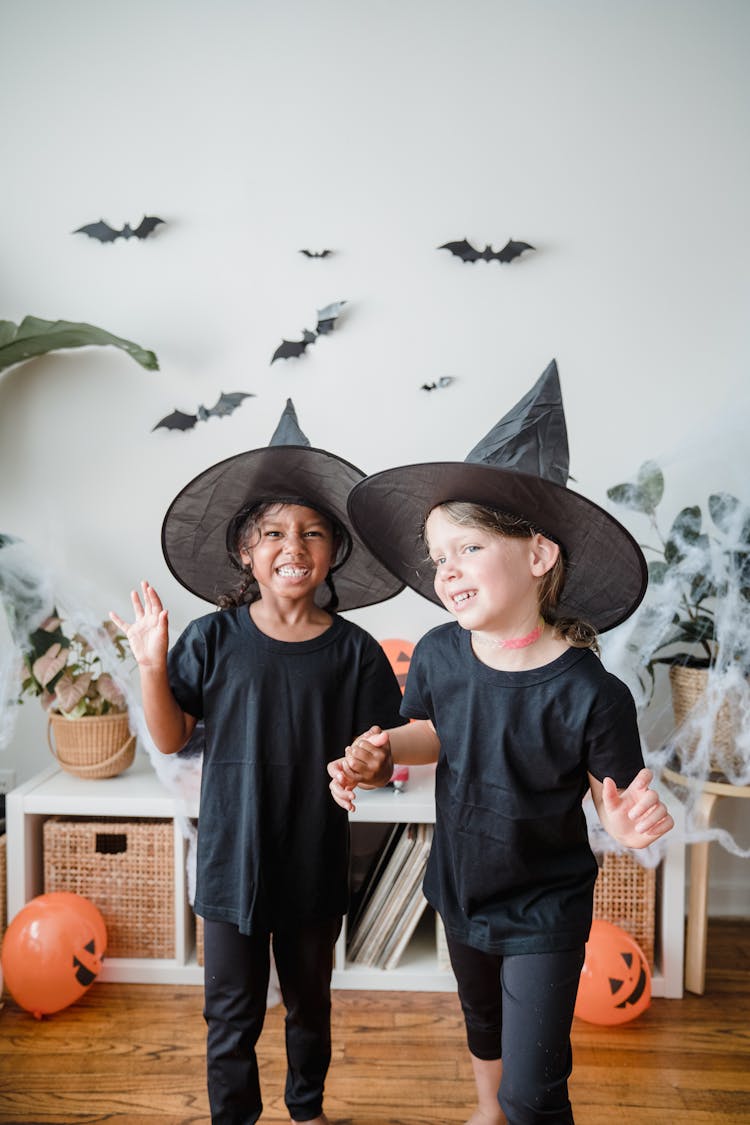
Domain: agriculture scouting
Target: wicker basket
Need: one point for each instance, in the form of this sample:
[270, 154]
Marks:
[94, 746]
[126, 868]
[689, 695]
[625, 895]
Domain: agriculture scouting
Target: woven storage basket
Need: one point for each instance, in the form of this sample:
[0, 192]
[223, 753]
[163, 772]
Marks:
[94, 746]
[688, 694]
[625, 895]
[126, 868]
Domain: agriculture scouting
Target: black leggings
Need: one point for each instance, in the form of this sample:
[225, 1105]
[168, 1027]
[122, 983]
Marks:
[520, 1008]
[237, 969]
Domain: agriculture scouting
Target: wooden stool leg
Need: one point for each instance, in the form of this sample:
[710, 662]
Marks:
[697, 924]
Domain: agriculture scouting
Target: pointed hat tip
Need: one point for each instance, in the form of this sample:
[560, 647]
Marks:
[288, 430]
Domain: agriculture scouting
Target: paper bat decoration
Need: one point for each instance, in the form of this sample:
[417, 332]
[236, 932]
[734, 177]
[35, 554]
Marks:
[326, 321]
[469, 253]
[226, 404]
[103, 232]
[316, 253]
[443, 381]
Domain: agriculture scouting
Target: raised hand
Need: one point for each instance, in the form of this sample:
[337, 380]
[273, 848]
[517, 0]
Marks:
[635, 816]
[148, 635]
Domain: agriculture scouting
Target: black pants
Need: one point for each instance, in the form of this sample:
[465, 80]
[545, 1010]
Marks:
[520, 1008]
[237, 969]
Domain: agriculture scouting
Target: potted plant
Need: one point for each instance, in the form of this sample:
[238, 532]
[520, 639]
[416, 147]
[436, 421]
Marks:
[696, 616]
[88, 715]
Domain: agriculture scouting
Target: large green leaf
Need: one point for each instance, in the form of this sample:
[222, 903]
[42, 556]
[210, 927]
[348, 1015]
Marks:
[642, 495]
[34, 337]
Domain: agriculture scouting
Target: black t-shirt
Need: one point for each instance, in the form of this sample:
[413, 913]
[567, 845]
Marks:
[511, 869]
[273, 845]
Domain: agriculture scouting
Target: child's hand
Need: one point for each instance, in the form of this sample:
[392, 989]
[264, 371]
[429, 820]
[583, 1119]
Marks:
[369, 759]
[367, 762]
[148, 636]
[635, 816]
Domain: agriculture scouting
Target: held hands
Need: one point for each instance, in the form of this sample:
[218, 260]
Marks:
[635, 816]
[148, 636]
[367, 762]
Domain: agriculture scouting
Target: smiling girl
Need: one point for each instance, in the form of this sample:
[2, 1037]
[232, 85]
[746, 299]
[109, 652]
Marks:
[280, 682]
[512, 702]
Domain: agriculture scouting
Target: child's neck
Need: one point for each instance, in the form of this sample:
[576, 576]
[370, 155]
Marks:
[289, 621]
[540, 646]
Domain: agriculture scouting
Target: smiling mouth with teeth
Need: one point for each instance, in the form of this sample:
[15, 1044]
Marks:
[292, 571]
[459, 599]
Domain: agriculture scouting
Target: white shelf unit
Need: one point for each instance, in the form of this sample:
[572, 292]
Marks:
[139, 793]
[135, 793]
[418, 969]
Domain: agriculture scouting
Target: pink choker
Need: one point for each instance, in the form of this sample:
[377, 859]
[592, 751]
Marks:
[513, 642]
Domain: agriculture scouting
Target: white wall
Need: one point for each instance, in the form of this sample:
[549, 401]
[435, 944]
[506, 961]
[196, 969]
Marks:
[611, 135]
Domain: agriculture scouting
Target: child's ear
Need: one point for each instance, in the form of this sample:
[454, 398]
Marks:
[544, 554]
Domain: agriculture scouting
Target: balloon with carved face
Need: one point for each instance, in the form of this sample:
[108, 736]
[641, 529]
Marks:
[52, 952]
[399, 656]
[615, 979]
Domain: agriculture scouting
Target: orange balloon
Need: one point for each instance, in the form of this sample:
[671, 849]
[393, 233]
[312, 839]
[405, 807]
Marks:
[52, 952]
[615, 979]
[399, 656]
[85, 907]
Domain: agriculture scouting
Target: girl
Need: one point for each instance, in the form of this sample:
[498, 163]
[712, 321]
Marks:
[279, 681]
[512, 703]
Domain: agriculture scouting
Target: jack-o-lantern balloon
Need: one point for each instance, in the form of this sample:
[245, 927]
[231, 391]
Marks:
[399, 656]
[52, 952]
[615, 979]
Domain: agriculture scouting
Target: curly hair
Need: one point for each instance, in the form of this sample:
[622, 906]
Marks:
[242, 534]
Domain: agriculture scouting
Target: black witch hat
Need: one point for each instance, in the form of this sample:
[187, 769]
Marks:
[520, 467]
[195, 530]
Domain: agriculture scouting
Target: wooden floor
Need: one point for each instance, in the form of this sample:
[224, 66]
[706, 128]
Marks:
[135, 1054]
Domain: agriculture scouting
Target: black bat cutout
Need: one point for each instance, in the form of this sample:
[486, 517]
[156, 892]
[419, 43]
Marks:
[288, 349]
[316, 253]
[443, 381]
[103, 232]
[469, 253]
[225, 404]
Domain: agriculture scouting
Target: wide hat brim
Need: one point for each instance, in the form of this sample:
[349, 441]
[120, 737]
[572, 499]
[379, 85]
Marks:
[194, 531]
[605, 571]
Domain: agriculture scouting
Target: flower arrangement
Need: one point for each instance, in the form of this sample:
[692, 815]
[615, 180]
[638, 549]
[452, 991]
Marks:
[67, 671]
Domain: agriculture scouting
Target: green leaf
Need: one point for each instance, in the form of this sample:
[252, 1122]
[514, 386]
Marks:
[701, 588]
[651, 484]
[657, 571]
[644, 494]
[35, 337]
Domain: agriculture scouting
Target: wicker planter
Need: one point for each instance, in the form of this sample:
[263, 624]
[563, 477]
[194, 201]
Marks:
[95, 746]
[689, 701]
